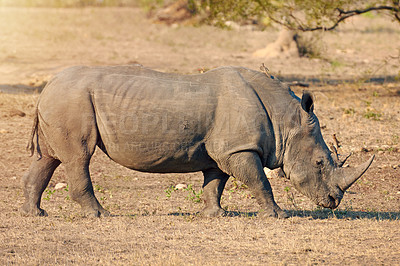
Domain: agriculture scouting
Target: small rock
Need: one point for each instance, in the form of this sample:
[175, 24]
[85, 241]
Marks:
[180, 186]
[274, 173]
[3, 131]
[382, 166]
[60, 186]
[267, 171]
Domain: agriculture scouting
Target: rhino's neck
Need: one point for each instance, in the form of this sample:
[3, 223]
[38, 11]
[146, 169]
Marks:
[285, 119]
[283, 108]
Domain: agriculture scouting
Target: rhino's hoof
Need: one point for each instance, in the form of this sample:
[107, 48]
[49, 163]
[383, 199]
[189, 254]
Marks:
[33, 212]
[277, 213]
[96, 213]
[282, 214]
[105, 213]
[213, 212]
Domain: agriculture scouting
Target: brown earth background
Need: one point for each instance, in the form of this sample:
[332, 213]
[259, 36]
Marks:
[154, 224]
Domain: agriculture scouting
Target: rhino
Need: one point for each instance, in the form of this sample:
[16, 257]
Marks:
[229, 121]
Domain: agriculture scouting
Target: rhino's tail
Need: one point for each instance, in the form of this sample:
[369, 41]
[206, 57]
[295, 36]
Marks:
[35, 132]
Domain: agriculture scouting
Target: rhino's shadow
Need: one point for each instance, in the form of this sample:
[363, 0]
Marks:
[319, 214]
[227, 214]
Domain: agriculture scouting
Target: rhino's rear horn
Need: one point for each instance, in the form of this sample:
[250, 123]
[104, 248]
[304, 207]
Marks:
[334, 147]
[345, 177]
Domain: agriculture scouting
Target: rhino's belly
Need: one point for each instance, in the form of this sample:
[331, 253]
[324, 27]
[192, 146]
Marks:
[159, 156]
[157, 140]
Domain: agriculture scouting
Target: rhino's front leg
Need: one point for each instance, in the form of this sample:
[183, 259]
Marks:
[247, 167]
[214, 184]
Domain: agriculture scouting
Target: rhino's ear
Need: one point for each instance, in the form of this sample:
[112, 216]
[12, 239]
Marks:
[307, 101]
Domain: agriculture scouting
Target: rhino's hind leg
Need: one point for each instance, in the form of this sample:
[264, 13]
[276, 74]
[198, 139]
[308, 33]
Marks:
[68, 128]
[35, 182]
[81, 188]
[214, 184]
[247, 167]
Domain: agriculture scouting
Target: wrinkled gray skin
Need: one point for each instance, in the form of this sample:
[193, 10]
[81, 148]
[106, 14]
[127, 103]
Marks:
[230, 121]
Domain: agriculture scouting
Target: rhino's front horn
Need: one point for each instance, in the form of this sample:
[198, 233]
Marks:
[347, 176]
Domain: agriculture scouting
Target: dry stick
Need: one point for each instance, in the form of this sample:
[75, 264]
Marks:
[264, 69]
[336, 156]
[336, 141]
[335, 147]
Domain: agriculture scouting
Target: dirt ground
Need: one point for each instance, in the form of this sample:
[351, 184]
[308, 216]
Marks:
[154, 224]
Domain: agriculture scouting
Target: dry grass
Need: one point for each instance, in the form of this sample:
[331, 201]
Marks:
[161, 239]
[151, 228]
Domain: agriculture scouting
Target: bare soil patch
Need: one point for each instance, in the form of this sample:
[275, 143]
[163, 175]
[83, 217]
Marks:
[156, 225]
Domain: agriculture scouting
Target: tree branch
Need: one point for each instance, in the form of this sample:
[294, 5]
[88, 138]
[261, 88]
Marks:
[397, 17]
[343, 15]
[358, 11]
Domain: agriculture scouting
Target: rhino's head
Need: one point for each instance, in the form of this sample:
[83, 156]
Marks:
[308, 162]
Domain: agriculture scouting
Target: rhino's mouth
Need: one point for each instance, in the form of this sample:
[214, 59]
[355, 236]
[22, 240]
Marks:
[331, 202]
